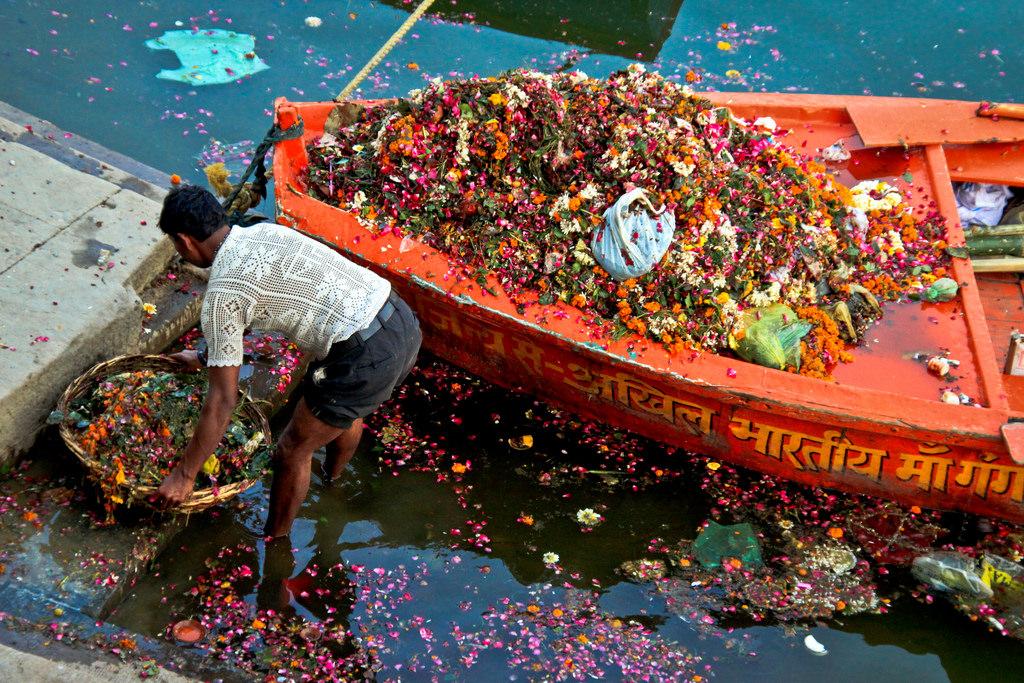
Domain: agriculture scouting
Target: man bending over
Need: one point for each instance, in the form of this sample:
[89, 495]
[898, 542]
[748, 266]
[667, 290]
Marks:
[362, 337]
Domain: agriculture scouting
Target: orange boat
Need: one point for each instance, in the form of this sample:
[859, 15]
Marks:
[880, 428]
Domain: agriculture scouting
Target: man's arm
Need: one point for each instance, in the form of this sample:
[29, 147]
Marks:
[221, 398]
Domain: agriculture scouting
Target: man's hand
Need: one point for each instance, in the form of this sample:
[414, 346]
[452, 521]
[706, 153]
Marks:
[188, 358]
[213, 420]
[175, 489]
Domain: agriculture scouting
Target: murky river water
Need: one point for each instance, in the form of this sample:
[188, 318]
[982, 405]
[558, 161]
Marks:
[83, 65]
[426, 548]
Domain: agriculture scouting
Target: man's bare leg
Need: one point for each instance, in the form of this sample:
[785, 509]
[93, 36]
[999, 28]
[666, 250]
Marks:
[341, 450]
[293, 459]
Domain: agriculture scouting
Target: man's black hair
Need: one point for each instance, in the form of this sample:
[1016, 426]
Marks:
[192, 210]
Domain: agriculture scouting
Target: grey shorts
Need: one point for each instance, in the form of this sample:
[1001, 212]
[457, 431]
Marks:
[358, 374]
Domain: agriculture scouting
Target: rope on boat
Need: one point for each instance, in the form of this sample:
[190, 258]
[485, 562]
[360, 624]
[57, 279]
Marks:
[384, 50]
[259, 164]
[258, 188]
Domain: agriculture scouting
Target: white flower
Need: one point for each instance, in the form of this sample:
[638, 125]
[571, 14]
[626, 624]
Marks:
[583, 254]
[462, 144]
[314, 22]
[576, 77]
[377, 141]
[872, 195]
[550, 558]
[561, 204]
[588, 517]
[683, 168]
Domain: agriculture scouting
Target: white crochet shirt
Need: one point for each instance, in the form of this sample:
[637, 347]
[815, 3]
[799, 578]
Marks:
[273, 278]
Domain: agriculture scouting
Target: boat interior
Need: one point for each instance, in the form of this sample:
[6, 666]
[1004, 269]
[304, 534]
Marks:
[939, 144]
[924, 147]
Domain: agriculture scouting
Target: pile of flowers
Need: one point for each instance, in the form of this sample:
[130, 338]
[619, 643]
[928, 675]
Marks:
[511, 176]
[134, 424]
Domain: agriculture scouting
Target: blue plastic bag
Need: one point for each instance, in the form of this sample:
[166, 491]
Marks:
[632, 239]
[209, 56]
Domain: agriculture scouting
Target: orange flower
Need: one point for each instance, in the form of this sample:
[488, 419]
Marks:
[501, 146]
[458, 468]
[652, 306]
[835, 532]
[557, 612]
[533, 609]
[175, 179]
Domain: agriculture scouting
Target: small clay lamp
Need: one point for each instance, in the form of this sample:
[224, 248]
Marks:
[188, 632]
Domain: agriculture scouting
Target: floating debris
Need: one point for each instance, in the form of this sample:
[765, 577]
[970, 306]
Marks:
[833, 557]
[812, 644]
[209, 56]
[643, 570]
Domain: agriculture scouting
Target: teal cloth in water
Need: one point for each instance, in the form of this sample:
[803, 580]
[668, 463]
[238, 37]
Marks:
[733, 540]
[209, 57]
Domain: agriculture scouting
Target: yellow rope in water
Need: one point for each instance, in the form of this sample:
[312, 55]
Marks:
[384, 49]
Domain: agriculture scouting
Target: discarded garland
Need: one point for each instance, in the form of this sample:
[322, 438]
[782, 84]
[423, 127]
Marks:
[510, 175]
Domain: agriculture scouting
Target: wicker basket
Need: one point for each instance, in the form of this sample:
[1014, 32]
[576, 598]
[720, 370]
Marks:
[200, 499]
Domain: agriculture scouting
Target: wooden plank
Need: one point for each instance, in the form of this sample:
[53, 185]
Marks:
[1002, 164]
[1002, 264]
[891, 122]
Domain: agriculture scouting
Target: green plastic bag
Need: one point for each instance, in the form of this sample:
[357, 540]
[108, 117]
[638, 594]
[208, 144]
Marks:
[734, 540]
[209, 57]
[769, 336]
[943, 289]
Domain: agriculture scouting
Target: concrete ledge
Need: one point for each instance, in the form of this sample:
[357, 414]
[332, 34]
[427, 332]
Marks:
[82, 245]
[81, 154]
[16, 665]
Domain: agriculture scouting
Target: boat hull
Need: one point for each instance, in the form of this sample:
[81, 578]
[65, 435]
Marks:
[912, 451]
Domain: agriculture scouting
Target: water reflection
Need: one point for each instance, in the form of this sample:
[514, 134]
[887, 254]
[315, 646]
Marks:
[621, 28]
